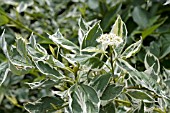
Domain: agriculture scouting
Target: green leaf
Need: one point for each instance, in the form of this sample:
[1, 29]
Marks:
[165, 47]
[34, 53]
[88, 61]
[93, 4]
[83, 25]
[35, 50]
[17, 59]
[74, 59]
[58, 39]
[79, 58]
[167, 82]
[124, 65]
[3, 44]
[52, 50]
[54, 62]
[93, 49]
[92, 63]
[138, 94]
[4, 70]
[44, 105]
[83, 29]
[11, 80]
[2, 57]
[90, 39]
[154, 48]
[110, 16]
[21, 7]
[109, 108]
[132, 49]
[119, 28]
[166, 73]
[19, 64]
[154, 19]
[19, 69]
[47, 69]
[81, 36]
[151, 29]
[111, 92]
[100, 83]
[83, 99]
[16, 2]
[32, 41]
[146, 81]
[167, 2]
[152, 60]
[140, 109]
[139, 15]
[4, 20]
[150, 71]
[21, 46]
[42, 84]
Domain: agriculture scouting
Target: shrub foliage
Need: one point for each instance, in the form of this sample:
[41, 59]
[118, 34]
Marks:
[117, 62]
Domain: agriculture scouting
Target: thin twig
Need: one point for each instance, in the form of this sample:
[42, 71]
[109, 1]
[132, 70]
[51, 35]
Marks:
[21, 25]
[127, 103]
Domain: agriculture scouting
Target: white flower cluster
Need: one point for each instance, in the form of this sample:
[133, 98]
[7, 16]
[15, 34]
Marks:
[110, 39]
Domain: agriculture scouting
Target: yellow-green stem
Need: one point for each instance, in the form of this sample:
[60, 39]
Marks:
[111, 60]
[127, 103]
[21, 25]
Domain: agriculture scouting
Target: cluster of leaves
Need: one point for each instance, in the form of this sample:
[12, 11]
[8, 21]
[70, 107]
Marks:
[72, 72]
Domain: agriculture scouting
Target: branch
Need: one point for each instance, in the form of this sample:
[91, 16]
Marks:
[127, 103]
[21, 25]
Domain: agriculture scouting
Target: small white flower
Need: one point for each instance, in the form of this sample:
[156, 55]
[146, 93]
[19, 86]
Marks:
[110, 39]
